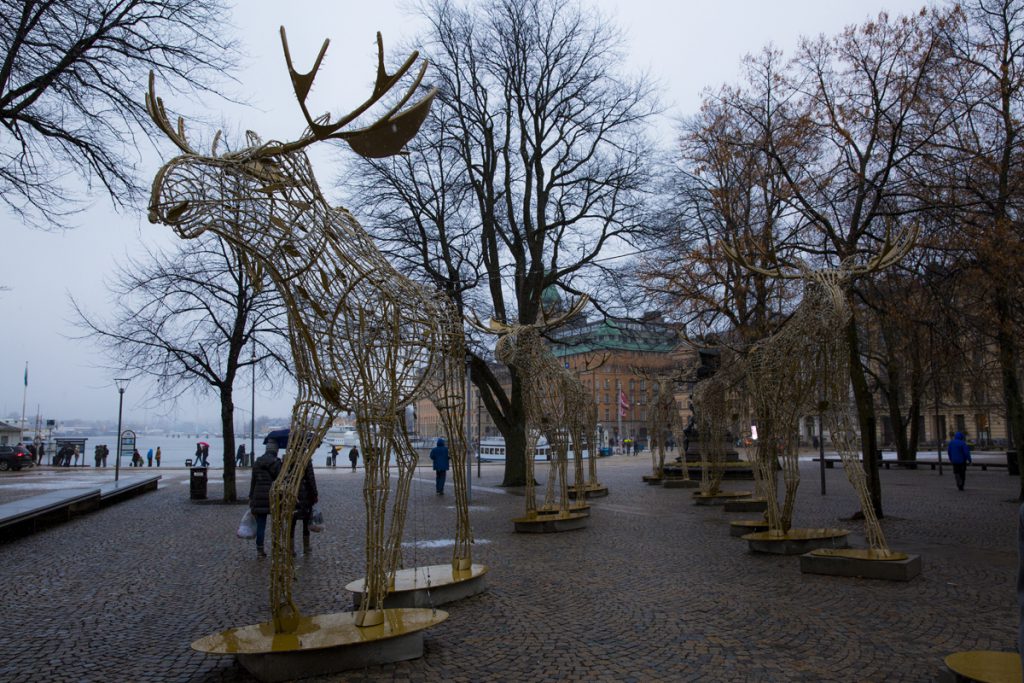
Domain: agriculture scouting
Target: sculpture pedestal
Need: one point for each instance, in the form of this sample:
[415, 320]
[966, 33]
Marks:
[795, 541]
[323, 644]
[740, 470]
[742, 527]
[679, 483]
[983, 666]
[861, 563]
[582, 508]
[430, 586]
[550, 524]
[591, 491]
[695, 450]
[718, 498]
[746, 505]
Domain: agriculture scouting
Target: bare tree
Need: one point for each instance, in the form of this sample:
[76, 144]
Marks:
[192, 319]
[863, 102]
[70, 83]
[980, 161]
[721, 188]
[533, 165]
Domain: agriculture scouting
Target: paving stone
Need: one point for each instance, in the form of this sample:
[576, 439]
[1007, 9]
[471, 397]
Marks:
[654, 589]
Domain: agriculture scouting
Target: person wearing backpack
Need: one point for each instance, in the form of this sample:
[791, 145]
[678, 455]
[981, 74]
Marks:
[264, 472]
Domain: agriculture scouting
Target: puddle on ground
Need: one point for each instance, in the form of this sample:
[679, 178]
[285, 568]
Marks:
[439, 543]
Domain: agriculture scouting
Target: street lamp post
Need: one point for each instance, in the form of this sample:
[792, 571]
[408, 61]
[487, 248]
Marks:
[122, 384]
[252, 421]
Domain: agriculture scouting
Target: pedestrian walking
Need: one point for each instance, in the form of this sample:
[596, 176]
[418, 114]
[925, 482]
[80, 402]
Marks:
[334, 455]
[307, 498]
[264, 472]
[240, 456]
[206, 455]
[149, 457]
[353, 457]
[76, 454]
[106, 452]
[98, 455]
[960, 456]
[439, 456]
[136, 458]
[158, 456]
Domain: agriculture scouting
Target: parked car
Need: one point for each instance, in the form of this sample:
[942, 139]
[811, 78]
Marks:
[14, 457]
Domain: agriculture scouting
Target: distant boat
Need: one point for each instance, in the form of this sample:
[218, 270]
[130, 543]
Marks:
[342, 436]
[492, 449]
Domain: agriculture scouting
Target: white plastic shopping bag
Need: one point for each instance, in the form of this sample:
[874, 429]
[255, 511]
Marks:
[247, 527]
[316, 519]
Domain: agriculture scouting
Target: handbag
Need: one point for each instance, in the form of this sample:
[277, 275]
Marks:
[247, 527]
[316, 520]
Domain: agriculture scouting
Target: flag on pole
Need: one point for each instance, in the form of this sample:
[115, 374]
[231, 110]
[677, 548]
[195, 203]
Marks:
[623, 403]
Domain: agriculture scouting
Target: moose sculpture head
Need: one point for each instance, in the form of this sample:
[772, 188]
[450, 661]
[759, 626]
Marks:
[825, 288]
[267, 188]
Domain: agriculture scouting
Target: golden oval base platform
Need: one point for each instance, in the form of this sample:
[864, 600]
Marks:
[982, 666]
[795, 541]
[592, 491]
[718, 498]
[322, 644]
[746, 505]
[862, 563]
[551, 524]
[582, 508]
[742, 527]
[679, 483]
[737, 470]
[430, 586]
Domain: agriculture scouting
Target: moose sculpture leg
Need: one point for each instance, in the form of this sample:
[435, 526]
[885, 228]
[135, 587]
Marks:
[310, 422]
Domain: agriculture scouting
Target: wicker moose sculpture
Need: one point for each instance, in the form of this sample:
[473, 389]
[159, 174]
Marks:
[364, 338]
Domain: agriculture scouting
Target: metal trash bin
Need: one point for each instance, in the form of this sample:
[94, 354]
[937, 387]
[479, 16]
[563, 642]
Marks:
[1011, 464]
[197, 483]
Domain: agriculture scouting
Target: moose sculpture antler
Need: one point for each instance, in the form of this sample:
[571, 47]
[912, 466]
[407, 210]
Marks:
[364, 338]
[804, 368]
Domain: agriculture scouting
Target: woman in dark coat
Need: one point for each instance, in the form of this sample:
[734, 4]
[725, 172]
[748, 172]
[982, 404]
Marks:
[264, 472]
[308, 497]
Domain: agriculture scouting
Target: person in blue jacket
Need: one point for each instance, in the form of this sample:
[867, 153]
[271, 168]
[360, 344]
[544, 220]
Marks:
[959, 456]
[439, 456]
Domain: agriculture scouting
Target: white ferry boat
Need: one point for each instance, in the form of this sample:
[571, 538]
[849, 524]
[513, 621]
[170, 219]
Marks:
[492, 449]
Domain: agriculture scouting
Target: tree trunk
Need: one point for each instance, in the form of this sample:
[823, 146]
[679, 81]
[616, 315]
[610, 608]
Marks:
[515, 455]
[227, 425]
[914, 414]
[866, 418]
[893, 395]
[516, 448]
[1008, 363]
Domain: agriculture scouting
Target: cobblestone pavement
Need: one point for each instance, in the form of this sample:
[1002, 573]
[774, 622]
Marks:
[654, 589]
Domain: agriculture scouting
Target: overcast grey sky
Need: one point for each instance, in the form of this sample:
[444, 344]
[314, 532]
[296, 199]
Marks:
[686, 45]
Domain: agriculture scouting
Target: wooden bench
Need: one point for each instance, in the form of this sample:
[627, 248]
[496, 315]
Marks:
[25, 515]
[116, 491]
